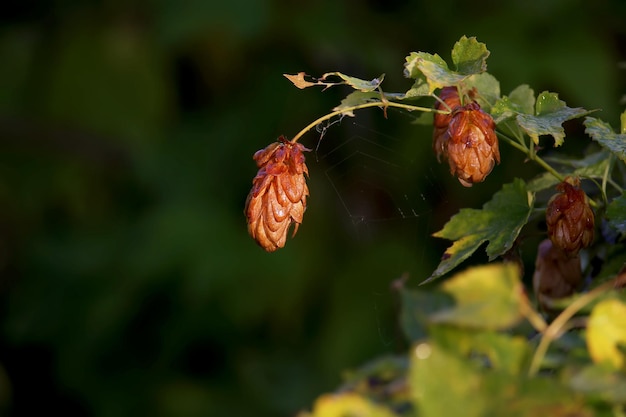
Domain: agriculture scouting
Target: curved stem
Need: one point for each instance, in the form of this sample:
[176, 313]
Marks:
[345, 110]
[532, 155]
[556, 327]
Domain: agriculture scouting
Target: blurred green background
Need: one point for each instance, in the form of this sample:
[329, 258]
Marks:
[128, 283]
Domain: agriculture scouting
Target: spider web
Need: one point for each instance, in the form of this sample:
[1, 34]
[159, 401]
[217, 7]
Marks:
[378, 184]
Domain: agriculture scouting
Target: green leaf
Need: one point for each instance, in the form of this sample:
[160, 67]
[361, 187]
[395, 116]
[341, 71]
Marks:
[302, 80]
[505, 353]
[520, 101]
[550, 114]
[417, 306]
[433, 68]
[499, 222]
[486, 297]
[419, 88]
[357, 83]
[616, 213]
[488, 88]
[606, 330]
[601, 381]
[593, 166]
[443, 384]
[470, 56]
[348, 404]
[603, 133]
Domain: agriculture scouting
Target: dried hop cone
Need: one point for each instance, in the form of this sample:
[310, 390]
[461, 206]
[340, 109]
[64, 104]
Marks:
[466, 138]
[556, 275]
[569, 218]
[278, 195]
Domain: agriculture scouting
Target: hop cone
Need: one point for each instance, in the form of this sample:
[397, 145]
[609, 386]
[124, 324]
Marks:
[569, 218]
[466, 138]
[556, 275]
[278, 195]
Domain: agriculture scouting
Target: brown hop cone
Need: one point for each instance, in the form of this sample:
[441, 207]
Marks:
[469, 141]
[278, 195]
[569, 218]
[556, 275]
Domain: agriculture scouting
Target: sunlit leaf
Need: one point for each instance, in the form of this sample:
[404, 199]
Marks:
[299, 80]
[433, 68]
[357, 83]
[349, 404]
[443, 384]
[603, 133]
[499, 222]
[606, 331]
[470, 56]
[616, 213]
[550, 114]
[302, 80]
[486, 297]
[504, 352]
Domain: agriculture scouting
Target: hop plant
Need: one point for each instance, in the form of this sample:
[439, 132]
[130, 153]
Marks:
[278, 195]
[466, 138]
[569, 218]
[556, 275]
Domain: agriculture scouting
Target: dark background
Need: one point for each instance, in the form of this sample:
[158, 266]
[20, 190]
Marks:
[128, 283]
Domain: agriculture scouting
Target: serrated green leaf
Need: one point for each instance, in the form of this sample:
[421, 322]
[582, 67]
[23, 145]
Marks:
[486, 297]
[469, 56]
[356, 98]
[603, 133]
[499, 222]
[616, 213]
[606, 330]
[550, 114]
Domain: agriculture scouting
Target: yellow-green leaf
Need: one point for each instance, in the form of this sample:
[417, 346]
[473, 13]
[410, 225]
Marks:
[606, 331]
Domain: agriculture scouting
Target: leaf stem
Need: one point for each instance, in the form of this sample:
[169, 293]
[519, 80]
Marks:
[556, 327]
[532, 155]
[384, 104]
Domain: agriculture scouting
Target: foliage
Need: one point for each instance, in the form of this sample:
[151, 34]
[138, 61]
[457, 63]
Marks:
[478, 346]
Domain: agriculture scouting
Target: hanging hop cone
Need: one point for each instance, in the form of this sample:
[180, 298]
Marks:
[278, 195]
[556, 275]
[569, 218]
[466, 138]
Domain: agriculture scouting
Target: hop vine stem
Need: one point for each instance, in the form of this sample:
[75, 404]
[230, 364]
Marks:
[557, 326]
[382, 104]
